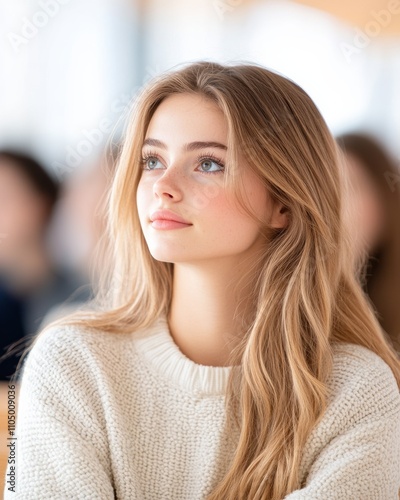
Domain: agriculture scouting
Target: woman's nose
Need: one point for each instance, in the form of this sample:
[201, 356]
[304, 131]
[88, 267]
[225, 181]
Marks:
[168, 185]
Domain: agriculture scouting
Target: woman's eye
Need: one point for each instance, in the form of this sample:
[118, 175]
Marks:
[209, 165]
[152, 163]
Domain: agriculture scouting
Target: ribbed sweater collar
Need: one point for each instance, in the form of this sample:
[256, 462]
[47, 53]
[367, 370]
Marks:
[159, 349]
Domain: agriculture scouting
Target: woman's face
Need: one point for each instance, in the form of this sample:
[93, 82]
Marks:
[184, 155]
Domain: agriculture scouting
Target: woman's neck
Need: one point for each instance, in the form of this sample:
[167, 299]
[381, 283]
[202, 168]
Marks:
[211, 305]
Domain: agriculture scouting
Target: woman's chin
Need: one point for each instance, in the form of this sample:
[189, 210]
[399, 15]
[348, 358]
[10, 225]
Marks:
[172, 257]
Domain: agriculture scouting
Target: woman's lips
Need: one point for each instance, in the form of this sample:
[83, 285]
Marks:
[167, 219]
[168, 224]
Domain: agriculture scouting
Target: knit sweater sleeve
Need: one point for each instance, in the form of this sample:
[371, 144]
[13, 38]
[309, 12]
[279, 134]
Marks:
[356, 449]
[61, 446]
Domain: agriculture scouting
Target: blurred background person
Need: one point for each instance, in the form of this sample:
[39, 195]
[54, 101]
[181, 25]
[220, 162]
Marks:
[375, 224]
[79, 223]
[30, 282]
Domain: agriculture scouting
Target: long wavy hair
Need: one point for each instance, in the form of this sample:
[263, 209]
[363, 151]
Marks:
[307, 294]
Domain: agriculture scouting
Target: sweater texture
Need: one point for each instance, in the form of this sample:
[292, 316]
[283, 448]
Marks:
[105, 416]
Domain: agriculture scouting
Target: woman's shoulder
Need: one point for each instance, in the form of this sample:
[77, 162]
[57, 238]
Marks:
[67, 334]
[62, 340]
[358, 361]
[361, 379]
[69, 349]
[354, 357]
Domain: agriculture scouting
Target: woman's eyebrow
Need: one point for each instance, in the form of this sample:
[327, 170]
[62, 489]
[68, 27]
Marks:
[187, 147]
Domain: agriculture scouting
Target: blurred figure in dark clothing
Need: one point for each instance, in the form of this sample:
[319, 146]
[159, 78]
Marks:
[30, 283]
[375, 223]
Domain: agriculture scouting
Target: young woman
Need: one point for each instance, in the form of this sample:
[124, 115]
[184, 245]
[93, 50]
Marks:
[231, 353]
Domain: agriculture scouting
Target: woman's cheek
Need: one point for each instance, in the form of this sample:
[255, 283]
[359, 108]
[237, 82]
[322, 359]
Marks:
[204, 196]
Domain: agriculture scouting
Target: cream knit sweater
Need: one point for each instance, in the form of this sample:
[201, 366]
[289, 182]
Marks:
[127, 416]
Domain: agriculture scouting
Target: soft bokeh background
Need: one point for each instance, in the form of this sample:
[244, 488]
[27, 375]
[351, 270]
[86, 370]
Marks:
[65, 72]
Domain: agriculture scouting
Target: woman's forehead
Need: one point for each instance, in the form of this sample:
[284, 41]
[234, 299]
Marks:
[187, 118]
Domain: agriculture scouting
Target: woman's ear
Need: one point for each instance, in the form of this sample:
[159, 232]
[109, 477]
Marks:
[279, 216]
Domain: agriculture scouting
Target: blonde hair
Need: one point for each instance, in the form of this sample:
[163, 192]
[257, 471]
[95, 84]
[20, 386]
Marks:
[307, 295]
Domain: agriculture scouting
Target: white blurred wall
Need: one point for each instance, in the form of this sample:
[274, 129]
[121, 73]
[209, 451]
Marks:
[67, 87]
